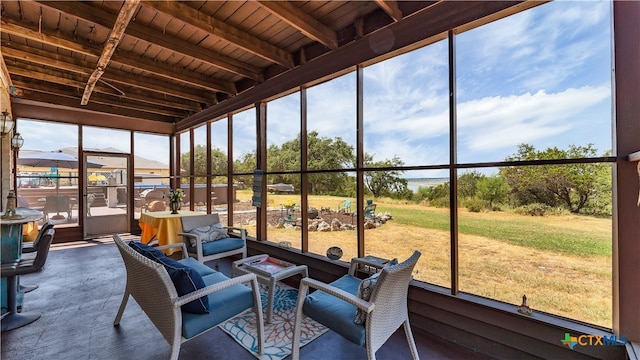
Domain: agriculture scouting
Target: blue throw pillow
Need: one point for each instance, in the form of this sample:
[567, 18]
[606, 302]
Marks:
[186, 280]
[147, 251]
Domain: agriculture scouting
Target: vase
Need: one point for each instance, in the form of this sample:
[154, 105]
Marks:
[174, 206]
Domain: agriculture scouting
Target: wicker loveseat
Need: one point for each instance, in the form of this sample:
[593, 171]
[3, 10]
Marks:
[157, 293]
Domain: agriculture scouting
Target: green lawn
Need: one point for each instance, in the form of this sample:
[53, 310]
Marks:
[534, 232]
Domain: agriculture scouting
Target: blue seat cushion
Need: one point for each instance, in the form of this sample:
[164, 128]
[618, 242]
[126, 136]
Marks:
[220, 246]
[202, 269]
[335, 313]
[223, 305]
[147, 251]
[186, 280]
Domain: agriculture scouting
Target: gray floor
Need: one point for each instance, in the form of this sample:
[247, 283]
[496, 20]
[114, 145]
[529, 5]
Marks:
[80, 291]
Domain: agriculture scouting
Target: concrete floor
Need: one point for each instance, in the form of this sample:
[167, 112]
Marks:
[81, 288]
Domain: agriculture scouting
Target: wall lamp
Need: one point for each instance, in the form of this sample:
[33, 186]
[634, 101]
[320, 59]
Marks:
[6, 123]
[17, 141]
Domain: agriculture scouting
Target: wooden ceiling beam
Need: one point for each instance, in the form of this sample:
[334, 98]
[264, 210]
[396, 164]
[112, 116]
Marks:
[107, 109]
[391, 8]
[126, 13]
[93, 14]
[59, 39]
[223, 31]
[302, 21]
[98, 98]
[5, 77]
[51, 112]
[154, 93]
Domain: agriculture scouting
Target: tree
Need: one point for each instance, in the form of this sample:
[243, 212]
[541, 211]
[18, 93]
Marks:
[492, 189]
[388, 182]
[568, 185]
[218, 162]
[468, 183]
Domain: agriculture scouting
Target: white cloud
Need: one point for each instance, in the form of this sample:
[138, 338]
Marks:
[504, 122]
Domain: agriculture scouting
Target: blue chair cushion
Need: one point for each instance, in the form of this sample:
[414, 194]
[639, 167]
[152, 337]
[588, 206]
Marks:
[335, 313]
[220, 246]
[186, 280]
[208, 233]
[147, 251]
[202, 269]
[223, 305]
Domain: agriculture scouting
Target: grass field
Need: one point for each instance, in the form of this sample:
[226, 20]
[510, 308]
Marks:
[561, 263]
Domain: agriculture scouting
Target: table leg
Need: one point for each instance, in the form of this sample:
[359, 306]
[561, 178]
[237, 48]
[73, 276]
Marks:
[272, 289]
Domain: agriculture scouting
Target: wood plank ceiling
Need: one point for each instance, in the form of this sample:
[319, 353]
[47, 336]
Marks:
[168, 60]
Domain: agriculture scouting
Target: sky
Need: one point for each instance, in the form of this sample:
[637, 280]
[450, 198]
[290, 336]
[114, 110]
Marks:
[541, 77]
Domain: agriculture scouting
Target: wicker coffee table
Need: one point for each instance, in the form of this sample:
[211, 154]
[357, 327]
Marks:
[268, 270]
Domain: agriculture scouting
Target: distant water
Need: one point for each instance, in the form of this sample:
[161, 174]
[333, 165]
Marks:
[414, 183]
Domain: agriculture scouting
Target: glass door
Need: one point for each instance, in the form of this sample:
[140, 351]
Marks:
[106, 193]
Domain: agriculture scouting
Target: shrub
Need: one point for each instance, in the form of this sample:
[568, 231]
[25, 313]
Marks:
[475, 205]
[535, 209]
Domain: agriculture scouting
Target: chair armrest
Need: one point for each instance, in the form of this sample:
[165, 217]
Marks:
[216, 287]
[182, 247]
[357, 261]
[334, 291]
[232, 230]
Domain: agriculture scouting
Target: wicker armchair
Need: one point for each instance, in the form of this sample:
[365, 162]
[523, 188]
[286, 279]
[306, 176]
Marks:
[235, 243]
[152, 288]
[385, 311]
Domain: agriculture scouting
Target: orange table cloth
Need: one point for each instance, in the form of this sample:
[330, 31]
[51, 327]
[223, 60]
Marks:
[30, 231]
[163, 226]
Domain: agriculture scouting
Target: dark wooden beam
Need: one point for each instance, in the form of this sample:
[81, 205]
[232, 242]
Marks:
[107, 109]
[80, 115]
[68, 42]
[302, 21]
[93, 14]
[154, 90]
[391, 8]
[223, 31]
[99, 97]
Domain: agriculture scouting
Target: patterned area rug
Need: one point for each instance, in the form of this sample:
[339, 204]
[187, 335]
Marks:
[278, 334]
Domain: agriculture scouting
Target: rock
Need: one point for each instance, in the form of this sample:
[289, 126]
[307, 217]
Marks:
[335, 225]
[323, 226]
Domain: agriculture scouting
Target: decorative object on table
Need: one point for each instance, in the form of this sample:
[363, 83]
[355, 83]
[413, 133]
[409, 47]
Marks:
[277, 334]
[289, 205]
[10, 213]
[524, 308]
[175, 197]
[334, 253]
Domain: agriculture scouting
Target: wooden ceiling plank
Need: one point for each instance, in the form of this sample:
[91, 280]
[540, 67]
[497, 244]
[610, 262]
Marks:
[65, 41]
[100, 98]
[5, 76]
[391, 8]
[51, 37]
[108, 109]
[51, 112]
[155, 91]
[153, 36]
[124, 17]
[224, 31]
[302, 21]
